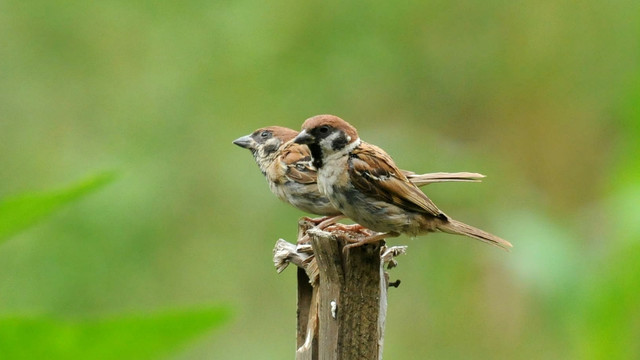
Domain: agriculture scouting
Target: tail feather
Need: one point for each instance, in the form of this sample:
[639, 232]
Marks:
[430, 178]
[460, 228]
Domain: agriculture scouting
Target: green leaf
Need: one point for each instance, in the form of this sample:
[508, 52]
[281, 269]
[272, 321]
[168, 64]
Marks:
[121, 337]
[20, 212]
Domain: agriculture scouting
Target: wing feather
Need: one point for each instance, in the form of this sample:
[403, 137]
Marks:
[296, 160]
[374, 173]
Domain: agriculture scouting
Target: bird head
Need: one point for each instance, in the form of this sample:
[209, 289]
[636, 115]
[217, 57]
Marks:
[327, 134]
[265, 142]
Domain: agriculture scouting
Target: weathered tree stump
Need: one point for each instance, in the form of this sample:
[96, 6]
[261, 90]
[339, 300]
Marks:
[342, 296]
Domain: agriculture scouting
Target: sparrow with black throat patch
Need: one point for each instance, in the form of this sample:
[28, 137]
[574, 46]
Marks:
[292, 178]
[363, 183]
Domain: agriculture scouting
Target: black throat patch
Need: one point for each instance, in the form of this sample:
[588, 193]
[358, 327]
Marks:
[316, 153]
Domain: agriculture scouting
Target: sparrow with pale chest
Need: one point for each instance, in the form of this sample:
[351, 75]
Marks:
[287, 168]
[363, 183]
[292, 178]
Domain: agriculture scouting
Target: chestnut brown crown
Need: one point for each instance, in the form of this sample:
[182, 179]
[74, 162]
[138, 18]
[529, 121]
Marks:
[280, 132]
[330, 122]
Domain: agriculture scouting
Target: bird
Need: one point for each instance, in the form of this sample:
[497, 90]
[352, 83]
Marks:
[293, 179]
[363, 182]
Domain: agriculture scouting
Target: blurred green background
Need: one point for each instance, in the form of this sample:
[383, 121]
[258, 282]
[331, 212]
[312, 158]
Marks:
[541, 96]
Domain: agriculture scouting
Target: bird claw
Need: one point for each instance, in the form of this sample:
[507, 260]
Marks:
[355, 244]
[316, 221]
[349, 228]
[368, 240]
[328, 220]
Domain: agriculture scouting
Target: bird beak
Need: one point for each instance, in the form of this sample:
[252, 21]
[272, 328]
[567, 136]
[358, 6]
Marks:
[304, 138]
[244, 142]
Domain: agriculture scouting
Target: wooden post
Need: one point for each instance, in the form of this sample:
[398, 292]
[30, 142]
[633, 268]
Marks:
[342, 296]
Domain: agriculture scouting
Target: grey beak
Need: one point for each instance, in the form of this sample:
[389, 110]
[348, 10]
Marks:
[244, 142]
[304, 138]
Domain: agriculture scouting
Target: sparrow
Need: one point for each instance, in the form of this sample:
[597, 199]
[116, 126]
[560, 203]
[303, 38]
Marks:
[363, 182]
[293, 179]
[287, 168]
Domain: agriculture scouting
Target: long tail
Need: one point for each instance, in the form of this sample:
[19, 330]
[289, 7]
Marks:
[430, 178]
[460, 228]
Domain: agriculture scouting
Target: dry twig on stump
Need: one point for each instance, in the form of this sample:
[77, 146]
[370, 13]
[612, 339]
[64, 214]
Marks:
[342, 297]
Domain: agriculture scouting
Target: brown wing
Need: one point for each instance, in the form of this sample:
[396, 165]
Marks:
[374, 173]
[297, 161]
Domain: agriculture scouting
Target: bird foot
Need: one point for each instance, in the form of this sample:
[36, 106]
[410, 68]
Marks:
[330, 220]
[323, 222]
[369, 240]
[315, 221]
[350, 228]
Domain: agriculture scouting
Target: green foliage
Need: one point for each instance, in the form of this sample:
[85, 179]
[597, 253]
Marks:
[135, 337]
[119, 337]
[22, 211]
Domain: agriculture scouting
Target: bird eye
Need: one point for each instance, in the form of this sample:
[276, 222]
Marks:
[324, 129]
[264, 134]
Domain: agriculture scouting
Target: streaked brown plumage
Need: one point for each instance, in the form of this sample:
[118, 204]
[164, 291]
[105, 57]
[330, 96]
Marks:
[292, 178]
[363, 182]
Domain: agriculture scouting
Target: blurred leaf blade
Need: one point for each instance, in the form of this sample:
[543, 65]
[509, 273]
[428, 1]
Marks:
[122, 337]
[19, 212]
